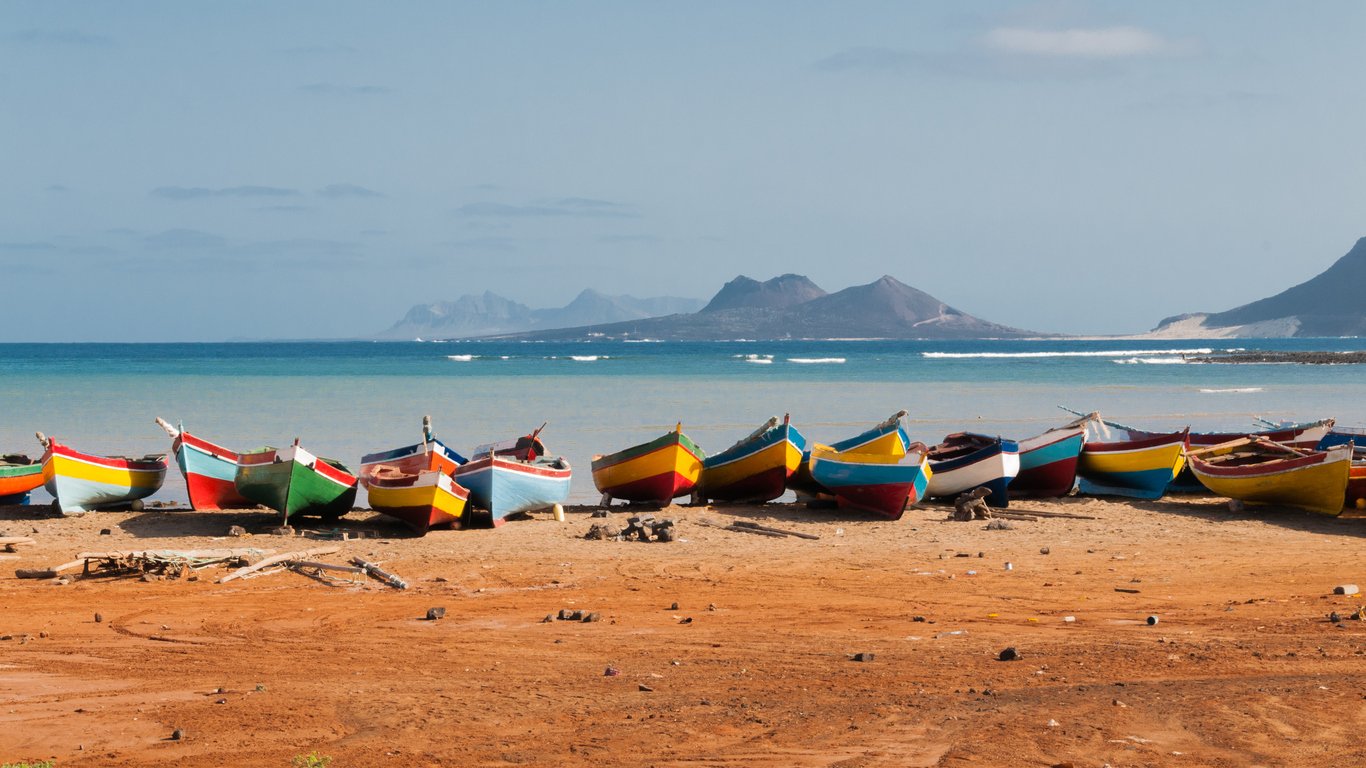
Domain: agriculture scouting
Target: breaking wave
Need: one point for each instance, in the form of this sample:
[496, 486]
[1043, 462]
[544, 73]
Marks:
[1088, 353]
[1238, 390]
[815, 360]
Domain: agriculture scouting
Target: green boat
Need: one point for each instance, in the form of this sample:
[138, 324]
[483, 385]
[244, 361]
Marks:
[18, 475]
[294, 482]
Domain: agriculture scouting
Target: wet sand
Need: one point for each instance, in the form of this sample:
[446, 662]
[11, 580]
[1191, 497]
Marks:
[753, 667]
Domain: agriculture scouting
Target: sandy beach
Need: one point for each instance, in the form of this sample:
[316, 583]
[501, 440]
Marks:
[730, 649]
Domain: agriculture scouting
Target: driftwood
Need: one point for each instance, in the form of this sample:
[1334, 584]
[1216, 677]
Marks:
[278, 560]
[1026, 516]
[375, 571]
[326, 566]
[10, 542]
[1042, 513]
[46, 573]
[781, 531]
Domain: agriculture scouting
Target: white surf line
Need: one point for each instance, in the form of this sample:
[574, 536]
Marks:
[1086, 353]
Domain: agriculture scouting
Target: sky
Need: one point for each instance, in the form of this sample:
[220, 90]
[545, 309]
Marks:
[210, 171]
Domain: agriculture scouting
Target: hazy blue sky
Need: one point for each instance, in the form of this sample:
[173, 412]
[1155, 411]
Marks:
[302, 169]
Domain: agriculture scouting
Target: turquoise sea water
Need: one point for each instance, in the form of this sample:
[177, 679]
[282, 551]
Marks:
[346, 399]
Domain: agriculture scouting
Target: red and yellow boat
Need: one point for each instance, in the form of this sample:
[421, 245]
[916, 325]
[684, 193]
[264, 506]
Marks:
[422, 500]
[81, 482]
[655, 472]
[18, 475]
[755, 469]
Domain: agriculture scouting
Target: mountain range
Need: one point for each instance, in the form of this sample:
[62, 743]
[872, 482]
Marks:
[792, 306]
[1329, 304]
[489, 314]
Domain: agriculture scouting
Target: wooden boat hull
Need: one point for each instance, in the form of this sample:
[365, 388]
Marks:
[411, 459]
[876, 483]
[1307, 435]
[1316, 482]
[1356, 487]
[292, 481]
[1139, 469]
[503, 485]
[210, 473]
[18, 476]
[993, 465]
[888, 438]
[1048, 463]
[658, 471]
[423, 500]
[756, 470]
[81, 482]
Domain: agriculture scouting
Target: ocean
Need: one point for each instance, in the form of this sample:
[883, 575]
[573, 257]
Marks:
[344, 399]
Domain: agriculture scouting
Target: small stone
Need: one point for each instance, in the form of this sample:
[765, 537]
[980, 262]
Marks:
[1044, 550]
[1119, 704]
[106, 532]
[862, 657]
[611, 672]
[673, 606]
[918, 619]
[6, 637]
[284, 530]
[1009, 654]
[711, 606]
[1053, 723]
[237, 530]
[434, 614]
[565, 613]
[99, 617]
[645, 688]
[999, 525]
[1152, 621]
[591, 617]
[1345, 589]
[549, 617]
[177, 735]
[981, 554]
[260, 688]
[221, 701]
[687, 620]
[1335, 618]
[576, 616]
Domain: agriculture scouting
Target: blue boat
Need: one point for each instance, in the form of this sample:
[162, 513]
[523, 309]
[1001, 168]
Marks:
[757, 468]
[872, 482]
[967, 460]
[888, 438]
[504, 485]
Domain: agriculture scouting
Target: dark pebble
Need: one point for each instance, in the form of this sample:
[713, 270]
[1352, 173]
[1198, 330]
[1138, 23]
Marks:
[1334, 617]
[1043, 550]
[918, 619]
[565, 613]
[177, 735]
[549, 617]
[589, 617]
[611, 672]
[99, 617]
[673, 606]
[1009, 654]
[436, 613]
[863, 657]
[645, 688]
[687, 620]
[106, 532]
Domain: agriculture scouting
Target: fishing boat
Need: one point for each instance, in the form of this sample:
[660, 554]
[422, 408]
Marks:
[18, 475]
[888, 438]
[1356, 477]
[504, 483]
[1048, 462]
[1260, 471]
[1302, 435]
[654, 472]
[967, 460]
[210, 470]
[430, 454]
[880, 483]
[293, 481]
[756, 468]
[422, 500]
[1137, 468]
[81, 482]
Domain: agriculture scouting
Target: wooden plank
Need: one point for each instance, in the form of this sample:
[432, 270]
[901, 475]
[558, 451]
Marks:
[47, 573]
[375, 571]
[783, 531]
[8, 541]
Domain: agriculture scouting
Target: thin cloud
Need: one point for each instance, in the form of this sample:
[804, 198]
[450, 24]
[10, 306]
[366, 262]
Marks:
[60, 37]
[1094, 43]
[187, 239]
[874, 58]
[200, 193]
[347, 190]
[580, 207]
[26, 247]
[342, 89]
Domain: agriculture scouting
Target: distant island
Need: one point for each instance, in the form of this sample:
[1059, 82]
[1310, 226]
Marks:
[1331, 304]
[785, 307]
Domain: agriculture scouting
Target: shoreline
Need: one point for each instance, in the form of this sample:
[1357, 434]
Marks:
[755, 665]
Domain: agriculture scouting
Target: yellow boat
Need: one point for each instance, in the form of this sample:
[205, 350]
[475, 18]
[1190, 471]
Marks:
[756, 468]
[658, 471]
[1260, 471]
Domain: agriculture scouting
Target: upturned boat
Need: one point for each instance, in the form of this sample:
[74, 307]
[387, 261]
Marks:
[1136, 468]
[1259, 471]
[1048, 462]
[654, 472]
[210, 470]
[504, 484]
[887, 438]
[422, 500]
[81, 482]
[430, 454]
[293, 481]
[756, 468]
[880, 483]
[967, 460]
[18, 475]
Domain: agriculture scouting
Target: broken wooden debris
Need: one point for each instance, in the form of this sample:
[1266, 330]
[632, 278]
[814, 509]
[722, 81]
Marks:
[280, 560]
[11, 543]
[377, 572]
